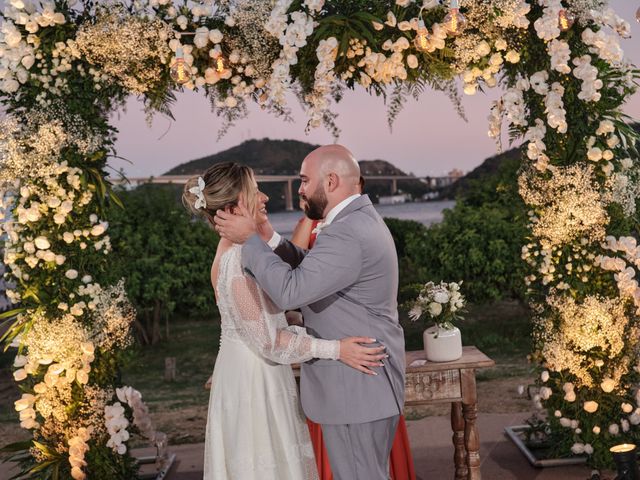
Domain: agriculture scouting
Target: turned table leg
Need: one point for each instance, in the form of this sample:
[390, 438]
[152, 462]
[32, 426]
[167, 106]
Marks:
[469, 414]
[460, 452]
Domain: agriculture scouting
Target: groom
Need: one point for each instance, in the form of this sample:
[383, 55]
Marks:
[346, 286]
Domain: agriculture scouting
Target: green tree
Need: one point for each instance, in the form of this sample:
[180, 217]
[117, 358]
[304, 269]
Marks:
[165, 257]
[479, 241]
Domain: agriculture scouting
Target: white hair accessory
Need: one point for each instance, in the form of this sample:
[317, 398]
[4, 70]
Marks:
[198, 191]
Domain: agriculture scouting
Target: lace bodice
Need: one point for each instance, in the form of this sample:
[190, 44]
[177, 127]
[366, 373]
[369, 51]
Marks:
[249, 315]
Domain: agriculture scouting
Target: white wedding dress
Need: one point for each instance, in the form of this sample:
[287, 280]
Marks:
[256, 429]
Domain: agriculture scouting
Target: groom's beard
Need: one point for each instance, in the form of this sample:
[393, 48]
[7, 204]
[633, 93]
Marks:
[316, 204]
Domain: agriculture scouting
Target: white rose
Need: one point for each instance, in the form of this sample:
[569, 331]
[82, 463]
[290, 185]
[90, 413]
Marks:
[435, 309]
[626, 407]
[607, 385]
[201, 38]
[71, 274]
[68, 237]
[590, 406]
[594, 154]
[596, 430]
[614, 429]
[544, 376]
[42, 243]
[182, 22]
[512, 56]
[565, 422]
[483, 49]
[570, 396]
[403, 3]
[577, 448]
[626, 163]
[215, 36]
[98, 230]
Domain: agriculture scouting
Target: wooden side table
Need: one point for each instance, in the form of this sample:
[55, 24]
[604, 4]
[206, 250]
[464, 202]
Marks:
[454, 382]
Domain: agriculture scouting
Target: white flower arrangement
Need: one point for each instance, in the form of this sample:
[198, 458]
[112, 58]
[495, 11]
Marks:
[441, 303]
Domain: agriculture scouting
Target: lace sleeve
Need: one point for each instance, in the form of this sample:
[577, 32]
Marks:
[257, 320]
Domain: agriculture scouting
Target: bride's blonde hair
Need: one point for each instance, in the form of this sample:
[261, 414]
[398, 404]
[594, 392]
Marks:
[224, 183]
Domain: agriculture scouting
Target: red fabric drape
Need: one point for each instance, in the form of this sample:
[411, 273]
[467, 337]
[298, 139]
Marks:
[400, 460]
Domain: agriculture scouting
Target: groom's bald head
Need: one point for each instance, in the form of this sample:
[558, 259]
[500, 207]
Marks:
[329, 174]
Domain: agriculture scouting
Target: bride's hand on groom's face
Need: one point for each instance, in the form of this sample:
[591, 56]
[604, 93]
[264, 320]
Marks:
[355, 354]
[237, 226]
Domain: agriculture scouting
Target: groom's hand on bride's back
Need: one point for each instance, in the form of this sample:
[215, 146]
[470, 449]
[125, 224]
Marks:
[355, 353]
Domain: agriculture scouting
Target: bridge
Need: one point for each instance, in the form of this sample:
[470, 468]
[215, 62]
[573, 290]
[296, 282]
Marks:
[286, 179]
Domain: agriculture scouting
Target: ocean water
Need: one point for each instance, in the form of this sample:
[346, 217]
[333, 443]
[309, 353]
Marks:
[423, 212]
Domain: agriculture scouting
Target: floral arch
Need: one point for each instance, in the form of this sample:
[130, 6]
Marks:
[65, 65]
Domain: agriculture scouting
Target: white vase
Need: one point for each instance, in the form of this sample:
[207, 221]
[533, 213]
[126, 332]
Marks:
[441, 344]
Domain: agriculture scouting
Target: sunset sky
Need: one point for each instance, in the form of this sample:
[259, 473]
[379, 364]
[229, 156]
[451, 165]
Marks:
[428, 138]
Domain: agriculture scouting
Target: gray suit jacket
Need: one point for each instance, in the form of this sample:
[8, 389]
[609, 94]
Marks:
[346, 286]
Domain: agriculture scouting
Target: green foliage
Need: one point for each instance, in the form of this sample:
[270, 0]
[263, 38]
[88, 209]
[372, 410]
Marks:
[479, 241]
[164, 257]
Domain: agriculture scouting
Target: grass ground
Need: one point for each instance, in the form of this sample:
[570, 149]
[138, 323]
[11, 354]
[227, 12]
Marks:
[179, 408]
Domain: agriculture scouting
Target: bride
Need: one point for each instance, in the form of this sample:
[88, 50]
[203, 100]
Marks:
[255, 427]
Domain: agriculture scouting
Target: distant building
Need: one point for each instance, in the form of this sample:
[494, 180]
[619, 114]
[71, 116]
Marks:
[437, 183]
[392, 199]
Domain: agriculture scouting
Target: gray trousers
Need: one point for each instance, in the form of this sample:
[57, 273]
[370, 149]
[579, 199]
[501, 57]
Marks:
[360, 451]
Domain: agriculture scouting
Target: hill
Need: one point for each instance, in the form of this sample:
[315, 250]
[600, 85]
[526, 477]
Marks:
[284, 157]
[265, 157]
[487, 169]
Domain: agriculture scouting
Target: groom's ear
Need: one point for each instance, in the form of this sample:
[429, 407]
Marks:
[332, 181]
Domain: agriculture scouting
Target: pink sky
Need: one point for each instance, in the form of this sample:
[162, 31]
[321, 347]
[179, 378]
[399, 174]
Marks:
[428, 137]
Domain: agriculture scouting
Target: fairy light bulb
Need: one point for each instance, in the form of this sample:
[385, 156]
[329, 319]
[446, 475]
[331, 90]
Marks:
[220, 65]
[638, 15]
[454, 22]
[565, 20]
[421, 42]
[180, 71]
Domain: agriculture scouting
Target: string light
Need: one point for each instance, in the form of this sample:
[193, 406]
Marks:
[180, 71]
[221, 65]
[454, 22]
[565, 20]
[421, 42]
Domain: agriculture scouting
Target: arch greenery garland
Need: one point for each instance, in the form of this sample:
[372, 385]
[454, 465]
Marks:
[66, 65]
